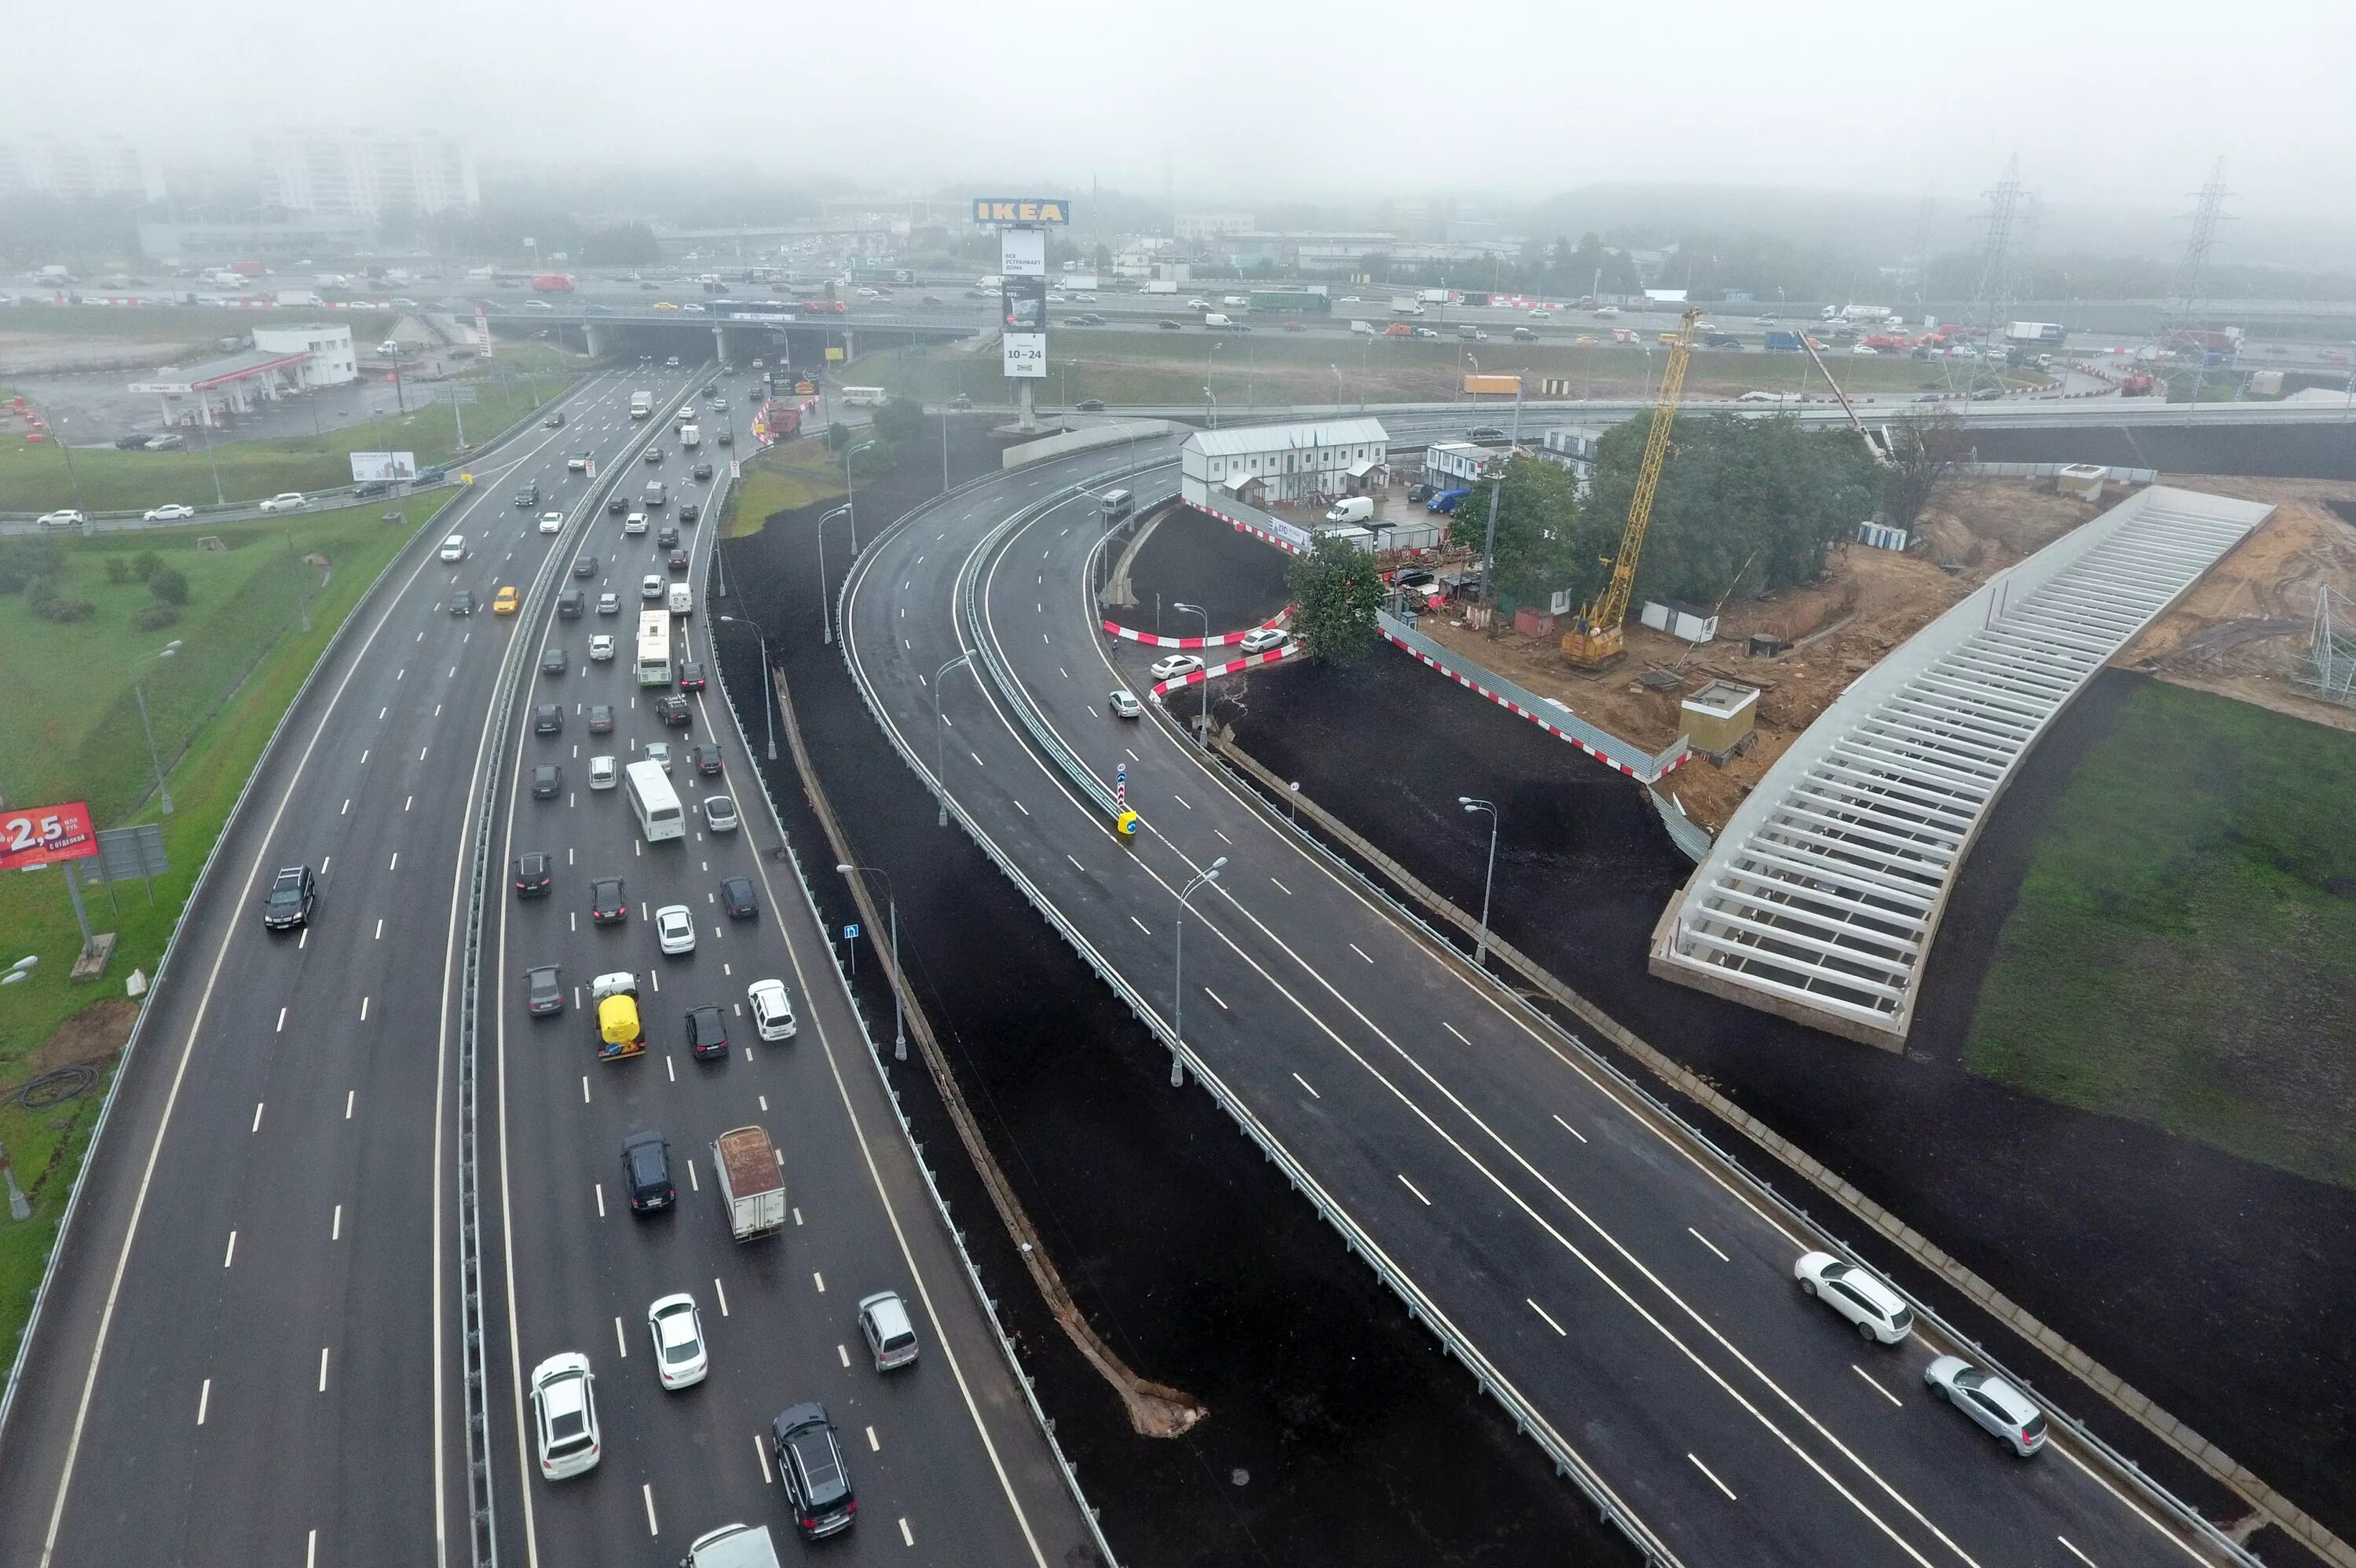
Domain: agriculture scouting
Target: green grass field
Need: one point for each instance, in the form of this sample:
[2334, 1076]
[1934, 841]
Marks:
[2183, 950]
[34, 477]
[242, 656]
[1271, 368]
[204, 324]
[780, 480]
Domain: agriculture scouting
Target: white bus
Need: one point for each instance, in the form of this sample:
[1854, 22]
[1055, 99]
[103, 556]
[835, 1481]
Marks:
[656, 804]
[654, 647]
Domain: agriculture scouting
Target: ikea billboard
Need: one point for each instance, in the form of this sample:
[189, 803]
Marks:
[1020, 209]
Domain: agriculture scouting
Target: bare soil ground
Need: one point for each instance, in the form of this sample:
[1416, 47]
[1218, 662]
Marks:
[28, 353]
[1867, 602]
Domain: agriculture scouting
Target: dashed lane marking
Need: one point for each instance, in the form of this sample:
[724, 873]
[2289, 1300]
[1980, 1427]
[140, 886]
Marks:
[1412, 1187]
[1549, 1316]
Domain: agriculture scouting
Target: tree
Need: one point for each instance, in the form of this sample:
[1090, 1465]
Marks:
[1337, 590]
[146, 564]
[1925, 449]
[1537, 530]
[170, 584]
[900, 420]
[24, 559]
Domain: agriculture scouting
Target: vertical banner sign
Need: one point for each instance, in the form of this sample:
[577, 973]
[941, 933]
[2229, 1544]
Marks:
[42, 834]
[1023, 253]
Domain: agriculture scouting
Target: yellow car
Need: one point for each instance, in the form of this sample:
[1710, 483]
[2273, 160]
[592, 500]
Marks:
[665, 304]
[505, 605]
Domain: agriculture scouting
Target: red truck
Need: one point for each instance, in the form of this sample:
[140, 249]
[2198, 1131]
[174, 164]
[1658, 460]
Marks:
[248, 269]
[551, 282]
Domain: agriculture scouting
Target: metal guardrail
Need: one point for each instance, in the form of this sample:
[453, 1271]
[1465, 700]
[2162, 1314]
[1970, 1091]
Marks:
[1526, 1418]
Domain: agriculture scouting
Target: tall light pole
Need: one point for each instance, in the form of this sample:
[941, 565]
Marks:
[1489, 541]
[1337, 386]
[1203, 878]
[1198, 610]
[139, 691]
[1210, 401]
[940, 781]
[769, 692]
[944, 446]
[892, 919]
[1481, 948]
[851, 486]
[825, 614]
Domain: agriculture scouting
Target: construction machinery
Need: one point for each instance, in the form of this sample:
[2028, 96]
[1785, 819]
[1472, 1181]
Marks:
[1593, 642]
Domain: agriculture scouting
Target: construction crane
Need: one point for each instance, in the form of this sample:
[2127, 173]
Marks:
[1593, 643]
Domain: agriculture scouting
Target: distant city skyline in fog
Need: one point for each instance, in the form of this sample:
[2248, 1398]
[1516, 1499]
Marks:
[1262, 104]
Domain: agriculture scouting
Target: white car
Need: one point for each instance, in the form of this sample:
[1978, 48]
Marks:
[1124, 704]
[286, 501]
[578, 464]
[681, 1361]
[172, 513]
[675, 929]
[636, 523]
[565, 1415]
[1870, 1307]
[1607, 311]
[650, 587]
[1175, 665]
[454, 547]
[601, 647]
[719, 814]
[2000, 1409]
[603, 773]
[660, 751]
[773, 1011]
[1260, 639]
[552, 522]
[62, 519]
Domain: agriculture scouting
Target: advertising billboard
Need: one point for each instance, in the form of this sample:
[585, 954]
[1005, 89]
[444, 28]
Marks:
[1024, 303]
[40, 834]
[1023, 252]
[390, 466]
[1022, 210]
[1026, 354]
[1507, 385]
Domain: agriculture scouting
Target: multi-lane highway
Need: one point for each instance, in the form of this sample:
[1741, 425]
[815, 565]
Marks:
[250, 1350]
[1635, 1299]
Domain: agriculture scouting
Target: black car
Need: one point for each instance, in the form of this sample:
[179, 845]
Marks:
[462, 603]
[703, 471]
[570, 603]
[608, 904]
[527, 496]
[810, 1462]
[370, 490]
[726, 438]
[961, 403]
[551, 661]
[429, 476]
[707, 1032]
[601, 719]
[534, 872]
[691, 675]
[584, 566]
[1172, 326]
[548, 718]
[678, 562]
[654, 454]
[674, 711]
[645, 1172]
[1421, 492]
[705, 758]
[547, 782]
[736, 896]
[553, 421]
[1486, 432]
[1090, 405]
[292, 893]
[666, 536]
[543, 991]
[616, 505]
[689, 512]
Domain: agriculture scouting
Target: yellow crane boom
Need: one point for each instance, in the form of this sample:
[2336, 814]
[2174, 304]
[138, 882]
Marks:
[1594, 640]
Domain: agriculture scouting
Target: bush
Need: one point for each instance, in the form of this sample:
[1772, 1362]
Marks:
[874, 456]
[117, 570]
[146, 564]
[900, 420]
[51, 604]
[22, 561]
[170, 584]
[156, 617]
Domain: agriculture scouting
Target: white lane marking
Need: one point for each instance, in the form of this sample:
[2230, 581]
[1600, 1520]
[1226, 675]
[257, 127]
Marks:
[1574, 1132]
[1180, 799]
[311, 1552]
[1022, 808]
[821, 1281]
[348, 805]
[364, 1002]
[648, 1488]
[720, 1291]
[204, 1398]
[1412, 1187]
[323, 1369]
[335, 1229]
[1705, 1240]
[1714, 1481]
[1304, 1082]
[670, 1068]
[408, 802]
[843, 1352]
[1281, 888]
[693, 1184]
[1217, 998]
[761, 1446]
[1224, 838]
[1075, 865]
[601, 1199]
[228, 1256]
[2137, 1508]
[257, 1117]
[1140, 924]
[396, 861]
[1454, 1030]
[621, 1340]
[2074, 1551]
[874, 1446]
[281, 1020]
[907, 1536]
[1542, 1312]
[1132, 756]
[584, 1088]
[977, 758]
[379, 929]
[350, 1095]
[1362, 953]
[1875, 1385]
[797, 1208]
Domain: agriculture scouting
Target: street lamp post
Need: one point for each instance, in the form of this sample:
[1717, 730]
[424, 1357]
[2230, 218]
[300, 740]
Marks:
[1489, 541]
[892, 919]
[1481, 948]
[940, 781]
[1206, 876]
[851, 486]
[1337, 386]
[1198, 610]
[825, 615]
[139, 691]
[768, 697]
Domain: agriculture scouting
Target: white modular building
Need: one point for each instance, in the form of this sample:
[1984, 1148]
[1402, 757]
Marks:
[1315, 461]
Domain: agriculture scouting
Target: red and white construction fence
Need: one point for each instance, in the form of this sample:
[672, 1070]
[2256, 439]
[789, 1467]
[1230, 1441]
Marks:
[1163, 688]
[1155, 639]
[1643, 769]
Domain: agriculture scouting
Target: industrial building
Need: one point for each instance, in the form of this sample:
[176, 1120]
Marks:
[1574, 446]
[1313, 461]
[284, 361]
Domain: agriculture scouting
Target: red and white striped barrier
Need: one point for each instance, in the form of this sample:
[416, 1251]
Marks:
[1510, 706]
[1163, 688]
[1242, 526]
[1153, 639]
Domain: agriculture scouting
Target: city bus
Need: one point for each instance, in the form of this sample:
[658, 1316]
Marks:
[654, 647]
[656, 804]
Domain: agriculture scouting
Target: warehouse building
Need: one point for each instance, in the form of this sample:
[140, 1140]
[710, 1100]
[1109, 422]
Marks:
[1268, 465]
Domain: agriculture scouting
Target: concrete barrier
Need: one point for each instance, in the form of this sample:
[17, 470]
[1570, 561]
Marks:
[1086, 440]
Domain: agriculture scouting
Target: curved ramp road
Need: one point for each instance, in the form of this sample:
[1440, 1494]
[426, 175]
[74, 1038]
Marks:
[249, 1353]
[1638, 1299]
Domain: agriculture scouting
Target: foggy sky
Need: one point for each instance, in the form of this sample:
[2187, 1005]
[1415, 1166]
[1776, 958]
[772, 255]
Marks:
[2115, 103]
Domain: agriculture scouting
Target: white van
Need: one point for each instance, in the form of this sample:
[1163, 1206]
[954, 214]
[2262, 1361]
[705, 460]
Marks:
[1215, 320]
[1355, 509]
[862, 397]
[1364, 328]
[682, 598]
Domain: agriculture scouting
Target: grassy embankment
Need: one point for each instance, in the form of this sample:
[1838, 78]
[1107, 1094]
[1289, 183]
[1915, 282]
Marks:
[2183, 950]
[781, 479]
[74, 734]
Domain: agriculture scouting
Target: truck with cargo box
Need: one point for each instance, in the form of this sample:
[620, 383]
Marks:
[751, 1176]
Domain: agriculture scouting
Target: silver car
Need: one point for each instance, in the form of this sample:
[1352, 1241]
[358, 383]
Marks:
[719, 814]
[884, 1323]
[2001, 1410]
[1871, 1308]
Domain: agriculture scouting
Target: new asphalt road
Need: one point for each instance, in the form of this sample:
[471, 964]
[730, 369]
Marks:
[249, 1354]
[1637, 1296]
